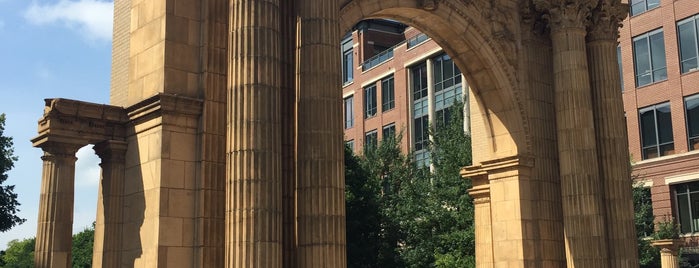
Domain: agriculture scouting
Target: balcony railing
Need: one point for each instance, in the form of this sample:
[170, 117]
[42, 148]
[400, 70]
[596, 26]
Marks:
[388, 53]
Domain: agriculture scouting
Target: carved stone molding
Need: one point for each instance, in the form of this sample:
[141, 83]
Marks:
[565, 14]
[78, 123]
[606, 20]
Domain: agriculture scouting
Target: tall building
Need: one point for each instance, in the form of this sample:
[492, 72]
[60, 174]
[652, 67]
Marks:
[658, 56]
[396, 80]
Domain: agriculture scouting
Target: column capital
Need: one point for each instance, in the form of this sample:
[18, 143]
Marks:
[606, 19]
[566, 14]
[111, 150]
[59, 149]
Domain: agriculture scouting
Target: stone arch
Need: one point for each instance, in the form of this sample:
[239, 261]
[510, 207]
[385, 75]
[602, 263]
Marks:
[457, 27]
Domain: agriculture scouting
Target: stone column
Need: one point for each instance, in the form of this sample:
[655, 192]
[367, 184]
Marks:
[581, 191]
[54, 234]
[253, 146]
[480, 192]
[610, 128]
[320, 182]
[110, 201]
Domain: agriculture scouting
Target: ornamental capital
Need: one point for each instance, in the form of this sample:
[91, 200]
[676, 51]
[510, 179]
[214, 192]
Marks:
[606, 20]
[565, 14]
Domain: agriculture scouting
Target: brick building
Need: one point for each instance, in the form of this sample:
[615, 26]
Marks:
[658, 58]
[396, 80]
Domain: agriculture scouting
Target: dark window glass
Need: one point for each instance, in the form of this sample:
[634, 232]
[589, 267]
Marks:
[347, 61]
[388, 97]
[419, 77]
[640, 6]
[687, 197]
[370, 101]
[350, 144]
[688, 36]
[656, 131]
[371, 139]
[448, 87]
[691, 105]
[389, 131]
[649, 58]
[421, 133]
[349, 112]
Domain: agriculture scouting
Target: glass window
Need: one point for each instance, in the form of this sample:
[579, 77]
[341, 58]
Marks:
[349, 112]
[447, 80]
[656, 131]
[691, 105]
[347, 61]
[687, 197]
[371, 139]
[389, 131]
[688, 36]
[649, 58]
[640, 6]
[370, 101]
[419, 79]
[350, 144]
[388, 97]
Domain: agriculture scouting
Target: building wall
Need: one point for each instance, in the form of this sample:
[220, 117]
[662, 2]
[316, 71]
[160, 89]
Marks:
[662, 172]
[399, 66]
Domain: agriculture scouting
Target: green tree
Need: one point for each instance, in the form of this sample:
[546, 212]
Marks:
[82, 247]
[438, 217]
[19, 254]
[389, 168]
[648, 256]
[9, 207]
[363, 214]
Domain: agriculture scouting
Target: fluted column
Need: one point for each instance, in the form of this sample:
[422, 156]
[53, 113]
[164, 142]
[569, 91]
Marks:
[480, 192]
[110, 202]
[253, 146]
[612, 143]
[55, 224]
[581, 192]
[320, 152]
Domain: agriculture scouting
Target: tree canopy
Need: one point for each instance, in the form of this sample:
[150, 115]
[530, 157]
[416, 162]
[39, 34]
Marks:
[9, 207]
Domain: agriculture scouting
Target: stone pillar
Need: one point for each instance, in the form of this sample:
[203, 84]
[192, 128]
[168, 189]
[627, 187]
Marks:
[504, 204]
[253, 146]
[610, 128]
[320, 182]
[669, 251]
[110, 201]
[54, 234]
[581, 190]
[480, 192]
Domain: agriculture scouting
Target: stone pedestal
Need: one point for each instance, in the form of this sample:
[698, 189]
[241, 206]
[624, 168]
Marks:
[54, 235]
[669, 251]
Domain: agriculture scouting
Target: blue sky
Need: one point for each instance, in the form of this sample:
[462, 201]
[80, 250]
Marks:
[50, 49]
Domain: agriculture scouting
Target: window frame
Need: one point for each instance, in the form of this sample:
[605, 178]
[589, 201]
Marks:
[349, 111]
[645, 7]
[371, 135]
[389, 129]
[658, 144]
[654, 70]
[676, 196]
[388, 94]
[691, 137]
[694, 20]
[347, 60]
[370, 104]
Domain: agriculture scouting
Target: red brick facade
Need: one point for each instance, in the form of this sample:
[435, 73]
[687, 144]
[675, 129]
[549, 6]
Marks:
[682, 165]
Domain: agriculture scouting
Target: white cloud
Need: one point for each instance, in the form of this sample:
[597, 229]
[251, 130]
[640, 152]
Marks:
[92, 18]
[87, 169]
